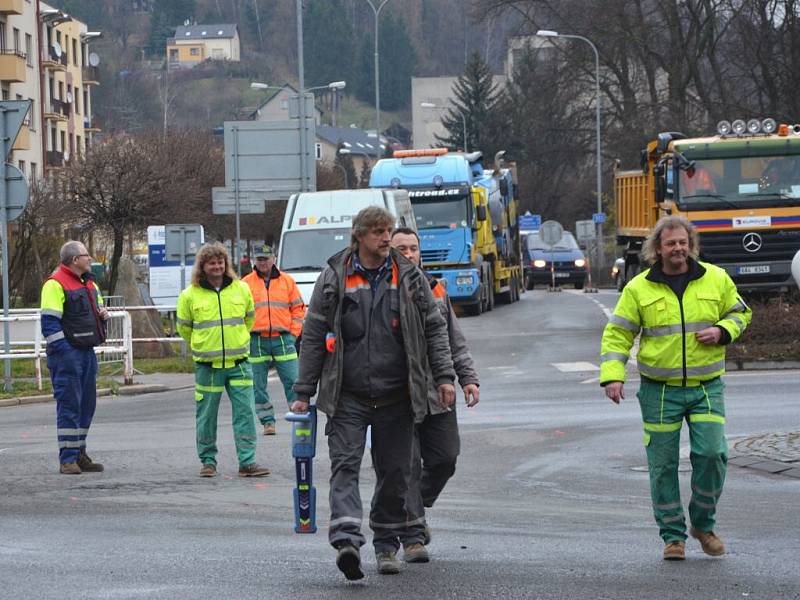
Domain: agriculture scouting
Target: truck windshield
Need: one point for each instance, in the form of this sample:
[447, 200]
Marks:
[450, 213]
[310, 249]
[750, 182]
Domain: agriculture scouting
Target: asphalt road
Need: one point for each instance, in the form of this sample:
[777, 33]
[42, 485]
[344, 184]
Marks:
[550, 499]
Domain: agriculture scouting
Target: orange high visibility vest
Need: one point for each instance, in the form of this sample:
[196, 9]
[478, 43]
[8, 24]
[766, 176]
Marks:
[280, 308]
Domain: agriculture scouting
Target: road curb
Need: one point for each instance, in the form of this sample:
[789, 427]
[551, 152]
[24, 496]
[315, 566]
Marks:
[733, 364]
[128, 390]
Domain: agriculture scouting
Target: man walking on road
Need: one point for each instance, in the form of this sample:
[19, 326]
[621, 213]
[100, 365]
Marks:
[73, 323]
[279, 322]
[215, 314]
[687, 312]
[373, 331]
[437, 443]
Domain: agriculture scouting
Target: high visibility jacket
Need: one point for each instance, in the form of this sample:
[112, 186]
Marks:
[668, 348]
[70, 310]
[217, 323]
[279, 307]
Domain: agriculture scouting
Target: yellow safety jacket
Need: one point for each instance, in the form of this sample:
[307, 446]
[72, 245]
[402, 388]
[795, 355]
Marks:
[668, 348]
[217, 323]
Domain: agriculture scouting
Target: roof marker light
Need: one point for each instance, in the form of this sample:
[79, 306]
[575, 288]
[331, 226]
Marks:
[724, 127]
[753, 126]
[739, 126]
[769, 125]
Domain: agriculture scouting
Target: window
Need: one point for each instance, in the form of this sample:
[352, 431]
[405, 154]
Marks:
[33, 171]
[86, 107]
[318, 151]
[173, 55]
[29, 49]
[17, 47]
[61, 90]
[2, 36]
[65, 50]
[77, 102]
[22, 166]
[32, 117]
[74, 51]
[79, 145]
[63, 140]
[5, 94]
[194, 51]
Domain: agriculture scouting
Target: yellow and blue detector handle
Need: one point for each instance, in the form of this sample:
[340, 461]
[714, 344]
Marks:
[304, 447]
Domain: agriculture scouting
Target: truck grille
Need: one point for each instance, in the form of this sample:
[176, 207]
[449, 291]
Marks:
[434, 256]
[726, 247]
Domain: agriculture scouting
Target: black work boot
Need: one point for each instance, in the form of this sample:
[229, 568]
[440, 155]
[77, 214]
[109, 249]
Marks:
[349, 562]
[86, 464]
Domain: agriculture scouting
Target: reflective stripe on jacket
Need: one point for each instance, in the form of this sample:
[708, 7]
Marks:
[279, 307]
[217, 323]
[668, 348]
[70, 309]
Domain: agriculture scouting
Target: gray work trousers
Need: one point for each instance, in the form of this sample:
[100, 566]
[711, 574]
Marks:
[436, 448]
[392, 441]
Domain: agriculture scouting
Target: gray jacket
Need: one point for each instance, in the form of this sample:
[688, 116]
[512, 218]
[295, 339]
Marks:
[424, 336]
[462, 359]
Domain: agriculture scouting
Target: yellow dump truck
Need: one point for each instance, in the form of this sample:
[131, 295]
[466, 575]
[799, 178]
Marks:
[740, 189]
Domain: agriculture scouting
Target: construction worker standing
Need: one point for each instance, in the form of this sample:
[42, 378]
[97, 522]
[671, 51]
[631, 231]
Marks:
[279, 322]
[73, 323]
[687, 312]
[437, 442]
[215, 314]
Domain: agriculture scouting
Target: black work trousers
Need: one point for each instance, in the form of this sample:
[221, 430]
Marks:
[392, 441]
[436, 448]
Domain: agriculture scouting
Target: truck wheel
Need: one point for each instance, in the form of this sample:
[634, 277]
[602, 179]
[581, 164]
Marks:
[474, 310]
[529, 282]
[578, 285]
[489, 290]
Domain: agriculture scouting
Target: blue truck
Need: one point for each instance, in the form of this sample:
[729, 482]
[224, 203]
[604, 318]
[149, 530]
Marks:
[466, 220]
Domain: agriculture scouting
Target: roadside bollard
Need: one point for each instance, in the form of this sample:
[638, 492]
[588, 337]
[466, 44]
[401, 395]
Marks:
[304, 447]
[590, 289]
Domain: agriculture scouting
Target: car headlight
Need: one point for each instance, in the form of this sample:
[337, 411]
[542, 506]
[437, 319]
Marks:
[539, 264]
[579, 262]
[464, 280]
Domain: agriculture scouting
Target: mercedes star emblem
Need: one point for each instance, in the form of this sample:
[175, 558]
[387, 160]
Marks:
[752, 242]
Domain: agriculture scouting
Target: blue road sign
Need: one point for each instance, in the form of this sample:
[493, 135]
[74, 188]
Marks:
[599, 217]
[530, 222]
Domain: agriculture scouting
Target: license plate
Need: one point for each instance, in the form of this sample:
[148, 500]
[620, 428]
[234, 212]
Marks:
[562, 274]
[750, 269]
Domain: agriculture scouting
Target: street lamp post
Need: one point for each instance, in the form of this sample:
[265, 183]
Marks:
[456, 109]
[344, 172]
[554, 34]
[377, 11]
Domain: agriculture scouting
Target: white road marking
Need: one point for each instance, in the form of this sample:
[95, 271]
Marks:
[575, 367]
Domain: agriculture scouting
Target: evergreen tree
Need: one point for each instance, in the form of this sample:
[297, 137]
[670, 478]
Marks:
[476, 99]
[328, 43]
[165, 18]
[365, 73]
[346, 162]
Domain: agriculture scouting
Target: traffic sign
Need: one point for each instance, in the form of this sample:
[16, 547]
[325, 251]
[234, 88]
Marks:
[599, 217]
[585, 230]
[223, 201]
[551, 232]
[529, 222]
[16, 191]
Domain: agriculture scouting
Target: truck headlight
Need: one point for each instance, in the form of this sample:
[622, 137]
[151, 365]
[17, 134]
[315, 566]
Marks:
[464, 280]
[539, 264]
[579, 262]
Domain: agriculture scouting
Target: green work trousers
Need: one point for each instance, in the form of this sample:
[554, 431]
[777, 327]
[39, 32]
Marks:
[664, 408]
[208, 387]
[277, 350]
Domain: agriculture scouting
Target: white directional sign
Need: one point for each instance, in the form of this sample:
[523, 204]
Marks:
[223, 201]
[585, 231]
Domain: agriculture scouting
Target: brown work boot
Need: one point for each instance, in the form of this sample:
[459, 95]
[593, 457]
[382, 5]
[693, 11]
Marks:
[415, 553]
[252, 470]
[675, 551]
[387, 563]
[711, 544]
[269, 428]
[208, 470]
[70, 469]
[87, 465]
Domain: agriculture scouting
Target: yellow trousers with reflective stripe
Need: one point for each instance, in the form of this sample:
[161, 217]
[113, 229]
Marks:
[209, 385]
[664, 409]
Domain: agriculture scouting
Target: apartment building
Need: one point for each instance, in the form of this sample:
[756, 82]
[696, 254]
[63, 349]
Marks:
[45, 58]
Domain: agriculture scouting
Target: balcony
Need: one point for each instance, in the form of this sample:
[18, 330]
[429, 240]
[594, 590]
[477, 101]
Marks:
[56, 110]
[11, 7]
[53, 62]
[12, 66]
[54, 158]
[23, 141]
[89, 127]
[91, 75]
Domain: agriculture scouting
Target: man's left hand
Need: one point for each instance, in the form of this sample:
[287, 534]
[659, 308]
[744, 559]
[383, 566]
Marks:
[472, 394]
[709, 335]
[103, 314]
[447, 394]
